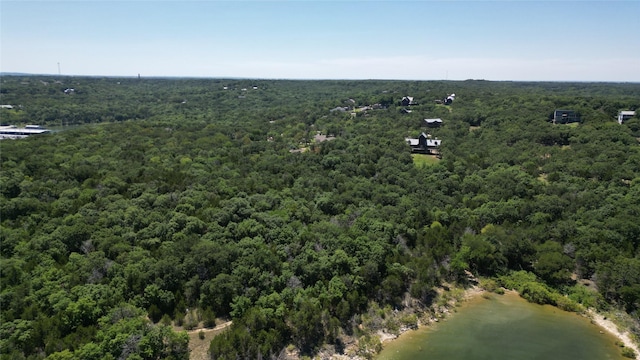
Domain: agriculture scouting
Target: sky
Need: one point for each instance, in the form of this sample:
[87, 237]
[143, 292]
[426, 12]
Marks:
[317, 39]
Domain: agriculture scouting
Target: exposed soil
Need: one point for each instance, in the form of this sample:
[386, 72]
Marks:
[198, 348]
[609, 325]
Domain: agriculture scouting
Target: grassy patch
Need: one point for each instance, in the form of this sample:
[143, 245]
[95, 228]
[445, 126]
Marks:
[448, 107]
[421, 160]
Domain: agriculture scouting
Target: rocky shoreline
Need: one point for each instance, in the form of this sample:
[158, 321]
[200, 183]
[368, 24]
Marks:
[442, 309]
[448, 298]
[439, 313]
[613, 329]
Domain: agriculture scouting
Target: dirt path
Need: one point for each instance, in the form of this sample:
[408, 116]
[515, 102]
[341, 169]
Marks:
[205, 330]
[198, 348]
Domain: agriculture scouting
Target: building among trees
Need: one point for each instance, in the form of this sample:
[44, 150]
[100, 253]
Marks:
[407, 100]
[433, 122]
[625, 115]
[424, 144]
[565, 117]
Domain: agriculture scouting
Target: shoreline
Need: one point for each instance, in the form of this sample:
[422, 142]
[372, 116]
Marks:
[444, 312]
[475, 292]
[609, 326]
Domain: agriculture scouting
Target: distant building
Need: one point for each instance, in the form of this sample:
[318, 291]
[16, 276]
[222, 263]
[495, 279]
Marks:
[407, 100]
[14, 132]
[424, 144]
[565, 117]
[449, 99]
[318, 137]
[340, 108]
[625, 115]
[433, 122]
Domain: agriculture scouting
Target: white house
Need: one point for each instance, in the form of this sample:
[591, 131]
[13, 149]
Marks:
[625, 115]
[433, 122]
[14, 132]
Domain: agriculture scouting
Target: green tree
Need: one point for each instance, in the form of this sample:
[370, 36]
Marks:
[552, 264]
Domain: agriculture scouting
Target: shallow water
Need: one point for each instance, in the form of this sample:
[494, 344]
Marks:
[505, 327]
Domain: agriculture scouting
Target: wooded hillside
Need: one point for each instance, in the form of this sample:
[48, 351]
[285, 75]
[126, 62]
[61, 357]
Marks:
[213, 195]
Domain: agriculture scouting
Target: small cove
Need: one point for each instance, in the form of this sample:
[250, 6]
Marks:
[505, 327]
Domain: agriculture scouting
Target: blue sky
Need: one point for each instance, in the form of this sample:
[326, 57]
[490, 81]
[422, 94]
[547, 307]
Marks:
[416, 40]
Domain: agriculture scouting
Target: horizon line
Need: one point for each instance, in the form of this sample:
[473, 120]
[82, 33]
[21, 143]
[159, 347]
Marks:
[15, 73]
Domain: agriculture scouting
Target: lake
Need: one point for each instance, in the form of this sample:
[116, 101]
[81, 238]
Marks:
[505, 327]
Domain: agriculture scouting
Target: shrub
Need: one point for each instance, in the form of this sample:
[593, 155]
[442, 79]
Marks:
[178, 318]
[517, 279]
[489, 285]
[369, 346]
[166, 320]
[409, 321]
[628, 353]
[567, 304]
[209, 318]
[155, 314]
[536, 293]
[585, 296]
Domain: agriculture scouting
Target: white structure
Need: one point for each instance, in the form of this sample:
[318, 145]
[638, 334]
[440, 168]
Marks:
[449, 99]
[14, 132]
[407, 100]
[625, 115]
[433, 122]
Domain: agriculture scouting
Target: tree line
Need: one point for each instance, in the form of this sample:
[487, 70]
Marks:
[211, 196]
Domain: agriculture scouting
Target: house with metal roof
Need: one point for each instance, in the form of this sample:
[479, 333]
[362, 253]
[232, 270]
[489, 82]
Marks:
[565, 117]
[424, 144]
[14, 132]
[625, 115]
[407, 100]
[433, 122]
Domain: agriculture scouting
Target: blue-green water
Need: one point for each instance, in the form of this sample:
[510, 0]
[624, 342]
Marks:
[505, 327]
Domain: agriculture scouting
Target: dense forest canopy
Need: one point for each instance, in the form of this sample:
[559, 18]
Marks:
[177, 195]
